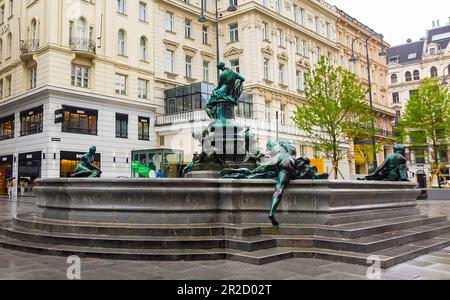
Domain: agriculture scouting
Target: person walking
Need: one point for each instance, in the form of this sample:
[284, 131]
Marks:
[9, 186]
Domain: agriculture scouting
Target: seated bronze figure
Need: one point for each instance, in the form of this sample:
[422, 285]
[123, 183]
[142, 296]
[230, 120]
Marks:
[393, 168]
[86, 168]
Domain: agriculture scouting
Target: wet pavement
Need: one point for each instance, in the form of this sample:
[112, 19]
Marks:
[18, 265]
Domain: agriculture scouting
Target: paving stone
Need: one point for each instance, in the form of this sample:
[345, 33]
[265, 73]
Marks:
[340, 276]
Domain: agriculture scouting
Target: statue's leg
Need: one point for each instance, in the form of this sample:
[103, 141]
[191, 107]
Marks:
[282, 182]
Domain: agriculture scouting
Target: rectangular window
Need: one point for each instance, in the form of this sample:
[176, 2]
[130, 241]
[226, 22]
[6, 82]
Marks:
[205, 71]
[280, 37]
[281, 73]
[33, 77]
[143, 11]
[265, 31]
[144, 129]
[7, 128]
[188, 28]
[170, 61]
[31, 121]
[121, 126]
[235, 65]
[234, 32]
[188, 66]
[205, 35]
[121, 84]
[266, 75]
[2, 14]
[121, 6]
[299, 80]
[8, 82]
[142, 89]
[169, 21]
[395, 98]
[80, 76]
[80, 120]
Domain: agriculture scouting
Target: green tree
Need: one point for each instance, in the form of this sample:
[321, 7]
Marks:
[336, 111]
[425, 125]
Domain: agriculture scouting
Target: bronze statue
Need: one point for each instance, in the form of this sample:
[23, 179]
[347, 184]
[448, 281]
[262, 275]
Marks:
[85, 168]
[393, 168]
[282, 166]
[229, 90]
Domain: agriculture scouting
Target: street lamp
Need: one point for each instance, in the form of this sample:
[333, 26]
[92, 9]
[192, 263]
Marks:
[202, 19]
[353, 59]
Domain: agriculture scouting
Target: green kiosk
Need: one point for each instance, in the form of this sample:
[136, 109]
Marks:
[166, 163]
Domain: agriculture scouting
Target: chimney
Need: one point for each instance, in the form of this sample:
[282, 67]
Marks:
[434, 25]
[438, 23]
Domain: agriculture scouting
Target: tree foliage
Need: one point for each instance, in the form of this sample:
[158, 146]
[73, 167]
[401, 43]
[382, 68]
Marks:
[425, 124]
[336, 111]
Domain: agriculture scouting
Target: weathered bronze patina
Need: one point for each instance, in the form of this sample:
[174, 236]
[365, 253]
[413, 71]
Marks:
[282, 166]
[228, 91]
[393, 168]
[85, 167]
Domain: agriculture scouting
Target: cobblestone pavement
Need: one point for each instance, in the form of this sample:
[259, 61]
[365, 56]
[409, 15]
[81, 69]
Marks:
[18, 265]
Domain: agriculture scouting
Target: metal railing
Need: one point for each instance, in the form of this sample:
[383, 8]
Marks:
[201, 116]
[29, 46]
[83, 45]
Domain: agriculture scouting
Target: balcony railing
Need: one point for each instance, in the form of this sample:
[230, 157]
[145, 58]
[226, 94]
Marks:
[386, 133]
[200, 116]
[83, 45]
[29, 46]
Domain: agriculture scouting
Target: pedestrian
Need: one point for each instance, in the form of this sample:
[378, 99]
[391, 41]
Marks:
[23, 185]
[9, 186]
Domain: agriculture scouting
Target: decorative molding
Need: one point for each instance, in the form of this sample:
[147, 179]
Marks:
[233, 51]
[171, 43]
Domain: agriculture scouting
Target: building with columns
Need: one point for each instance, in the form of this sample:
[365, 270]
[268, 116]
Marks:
[409, 64]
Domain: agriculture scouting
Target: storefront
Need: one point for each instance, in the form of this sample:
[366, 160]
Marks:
[167, 162]
[69, 161]
[6, 171]
[30, 165]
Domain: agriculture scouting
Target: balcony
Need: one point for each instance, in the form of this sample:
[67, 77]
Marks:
[83, 47]
[386, 133]
[28, 48]
[200, 116]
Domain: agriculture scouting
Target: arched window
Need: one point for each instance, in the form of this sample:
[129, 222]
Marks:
[143, 49]
[394, 79]
[81, 29]
[416, 75]
[33, 30]
[434, 72]
[408, 76]
[121, 42]
[9, 45]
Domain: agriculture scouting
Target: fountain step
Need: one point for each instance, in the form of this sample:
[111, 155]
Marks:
[387, 258]
[366, 244]
[142, 242]
[245, 230]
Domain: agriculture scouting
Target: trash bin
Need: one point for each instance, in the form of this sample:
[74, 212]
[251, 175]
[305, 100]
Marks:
[422, 182]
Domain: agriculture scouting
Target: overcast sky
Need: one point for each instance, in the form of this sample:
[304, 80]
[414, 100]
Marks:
[397, 20]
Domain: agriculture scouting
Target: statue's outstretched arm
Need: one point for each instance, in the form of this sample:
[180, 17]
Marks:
[240, 77]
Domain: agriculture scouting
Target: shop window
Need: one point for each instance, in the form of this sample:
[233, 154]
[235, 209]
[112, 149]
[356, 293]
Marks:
[80, 120]
[31, 121]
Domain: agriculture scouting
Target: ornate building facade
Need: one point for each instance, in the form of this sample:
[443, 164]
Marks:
[409, 64]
